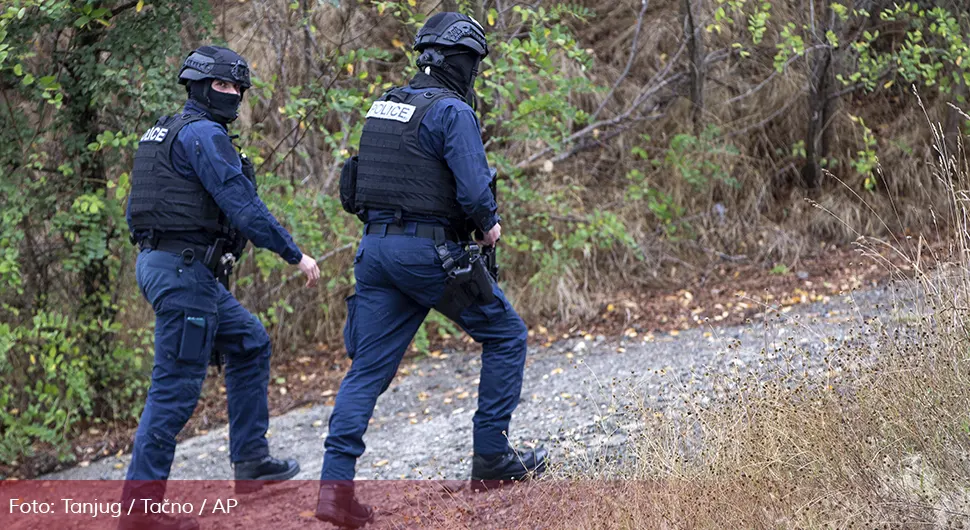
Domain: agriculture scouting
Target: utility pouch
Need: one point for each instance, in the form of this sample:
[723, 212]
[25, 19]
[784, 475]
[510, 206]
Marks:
[348, 185]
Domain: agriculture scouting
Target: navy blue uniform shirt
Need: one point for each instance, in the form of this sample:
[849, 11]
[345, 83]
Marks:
[449, 131]
[203, 151]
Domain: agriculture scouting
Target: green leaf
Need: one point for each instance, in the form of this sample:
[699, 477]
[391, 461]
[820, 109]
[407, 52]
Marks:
[832, 38]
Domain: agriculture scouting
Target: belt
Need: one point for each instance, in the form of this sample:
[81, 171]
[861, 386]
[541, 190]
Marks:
[189, 251]
[426, 231]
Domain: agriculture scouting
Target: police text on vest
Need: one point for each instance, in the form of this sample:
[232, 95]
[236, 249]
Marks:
[389, 110]
[155, 134]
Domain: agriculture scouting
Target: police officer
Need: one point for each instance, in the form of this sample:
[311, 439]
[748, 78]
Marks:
[190, 191]
[422, 177]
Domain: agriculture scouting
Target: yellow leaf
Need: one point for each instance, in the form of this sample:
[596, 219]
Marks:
[33, 360]
[556, 371]
[891, 81]
[382, 463]
[396, 43]
[610, 308]
[141, 5]
[412, 3]
[380, 9]
[350, 68]
[959, 60]
[491, 22]
[308, 514]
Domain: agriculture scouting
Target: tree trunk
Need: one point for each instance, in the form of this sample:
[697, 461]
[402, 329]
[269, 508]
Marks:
[478, 10]
[819, 111]
[953, 123]
[695, 46]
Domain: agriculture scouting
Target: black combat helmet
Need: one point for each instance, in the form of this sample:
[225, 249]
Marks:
[451, 29]
[215, 62]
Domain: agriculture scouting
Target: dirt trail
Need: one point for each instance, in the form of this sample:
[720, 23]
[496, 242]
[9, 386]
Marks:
[422, 425]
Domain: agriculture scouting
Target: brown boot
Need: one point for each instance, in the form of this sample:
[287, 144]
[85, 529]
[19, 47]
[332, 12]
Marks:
[338, 505]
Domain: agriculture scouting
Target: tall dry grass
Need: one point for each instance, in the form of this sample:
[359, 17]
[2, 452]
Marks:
[873, 432]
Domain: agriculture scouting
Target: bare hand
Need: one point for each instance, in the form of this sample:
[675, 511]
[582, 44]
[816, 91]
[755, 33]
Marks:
[492, 236]
[309, 267]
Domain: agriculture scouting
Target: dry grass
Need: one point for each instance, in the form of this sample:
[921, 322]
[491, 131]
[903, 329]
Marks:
[872, 433]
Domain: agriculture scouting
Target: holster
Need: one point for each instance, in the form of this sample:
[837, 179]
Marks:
[220, 261]
[468, 285]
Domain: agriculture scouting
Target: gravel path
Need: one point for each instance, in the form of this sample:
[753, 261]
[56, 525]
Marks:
[422, 426]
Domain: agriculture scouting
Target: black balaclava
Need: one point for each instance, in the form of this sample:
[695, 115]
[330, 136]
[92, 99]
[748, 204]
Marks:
[223, 107]
[457, 73]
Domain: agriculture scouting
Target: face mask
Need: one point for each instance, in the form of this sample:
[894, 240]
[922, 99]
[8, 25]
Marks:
[223, 107]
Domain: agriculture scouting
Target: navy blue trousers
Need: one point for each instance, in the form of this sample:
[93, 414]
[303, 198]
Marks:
[194, 313]
[399, 278]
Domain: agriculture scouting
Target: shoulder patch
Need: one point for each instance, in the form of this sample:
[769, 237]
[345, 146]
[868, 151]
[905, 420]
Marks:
[390, 110]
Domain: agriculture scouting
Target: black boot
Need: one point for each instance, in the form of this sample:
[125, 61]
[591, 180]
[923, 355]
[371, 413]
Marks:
[156, 521]
[338, 505]
[489, 471]
[251, 475]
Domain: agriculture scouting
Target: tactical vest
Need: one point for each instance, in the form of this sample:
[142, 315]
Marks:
[393, 172]
[163, 200]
